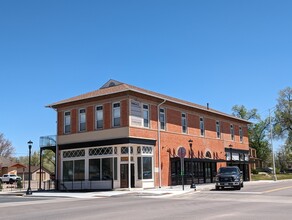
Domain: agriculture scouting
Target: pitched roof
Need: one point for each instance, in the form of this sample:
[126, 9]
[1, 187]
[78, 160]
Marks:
[33, 169]
[114, 87]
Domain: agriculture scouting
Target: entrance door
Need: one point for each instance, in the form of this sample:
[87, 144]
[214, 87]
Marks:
[125, 175]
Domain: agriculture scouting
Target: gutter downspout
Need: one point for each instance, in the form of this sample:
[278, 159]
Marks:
[158, 141]
[57, 180]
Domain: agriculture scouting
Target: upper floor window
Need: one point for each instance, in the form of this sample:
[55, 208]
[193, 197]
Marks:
[82, 119]
[162, 118]
[184, 122]
[218, 132]
[202, 127]
[146, 116]
[116, 114]
[232, 132]
[240, 134]
[99, 117]
[67, 122]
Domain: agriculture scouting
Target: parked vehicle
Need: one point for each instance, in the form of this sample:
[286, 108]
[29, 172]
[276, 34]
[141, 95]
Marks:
[229, 176]
[10, 178]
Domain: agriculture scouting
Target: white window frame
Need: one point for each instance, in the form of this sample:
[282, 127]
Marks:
[232, 132]
[114, 109]
[80, 114]
[96, 116]
[148, 115]
[65, 117]
[240, 134]
[162, 113]
[184, 124]
[218, 130]
[202, 127]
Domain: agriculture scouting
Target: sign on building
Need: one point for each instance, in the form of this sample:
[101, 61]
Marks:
[136, 117]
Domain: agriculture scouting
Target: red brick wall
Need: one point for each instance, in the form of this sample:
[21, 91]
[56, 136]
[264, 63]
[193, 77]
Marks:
[172, 137]
[74, 121]
[107, 114]
[60, 123]
[90, 115]
[124, 113]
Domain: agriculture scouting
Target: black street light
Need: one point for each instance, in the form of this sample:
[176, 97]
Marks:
[193, 185]
[29, 192]
[230, 150]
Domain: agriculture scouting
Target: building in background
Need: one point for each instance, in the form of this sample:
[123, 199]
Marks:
[122, 136]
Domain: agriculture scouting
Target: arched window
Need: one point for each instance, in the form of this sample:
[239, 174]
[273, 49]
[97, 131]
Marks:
[208, 154]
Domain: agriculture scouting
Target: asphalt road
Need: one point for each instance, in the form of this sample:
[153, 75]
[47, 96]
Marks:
[270, 200]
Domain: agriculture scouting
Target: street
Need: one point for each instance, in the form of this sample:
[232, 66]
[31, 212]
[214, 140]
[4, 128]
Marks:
[259, 200]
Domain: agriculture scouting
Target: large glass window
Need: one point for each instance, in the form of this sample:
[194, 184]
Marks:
[107, 168]
[79, 168]
[116, 114]
[73, 170]
[82, 119]
[103, 169]
[218, 132]
[145, 167]
[202, 127]
[184, 122]
[94, 169]
[67, 170]
[99, 117]
[162, 118]
[67, 122]
[146, 116]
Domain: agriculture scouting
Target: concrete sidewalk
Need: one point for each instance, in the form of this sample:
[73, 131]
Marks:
[158, 192]
[153, 192]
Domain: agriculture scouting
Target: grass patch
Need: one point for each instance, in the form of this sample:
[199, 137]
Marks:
[256, 177]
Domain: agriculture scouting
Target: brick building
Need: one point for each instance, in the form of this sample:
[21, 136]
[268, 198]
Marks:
[112, 138]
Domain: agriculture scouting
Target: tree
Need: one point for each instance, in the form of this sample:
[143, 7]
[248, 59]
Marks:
[6, 148]
[257, 131]
[258, 139]
[283, 115]
[241, 111]
[48, 159]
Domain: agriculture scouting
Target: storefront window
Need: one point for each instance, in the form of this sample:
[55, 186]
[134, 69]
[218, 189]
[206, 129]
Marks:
[79, 169]
[145, 167]
[94, 169]
[107, 168]
[67, 170]
[73, 170]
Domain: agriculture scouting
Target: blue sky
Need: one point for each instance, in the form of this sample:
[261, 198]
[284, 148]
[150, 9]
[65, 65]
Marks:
[218, 52]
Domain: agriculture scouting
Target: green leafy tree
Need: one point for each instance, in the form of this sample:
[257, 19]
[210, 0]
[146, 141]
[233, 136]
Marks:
[283, 115]
[6, 148]
[257, 131]
[48, 159]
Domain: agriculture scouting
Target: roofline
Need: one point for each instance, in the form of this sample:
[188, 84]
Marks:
[158, 97]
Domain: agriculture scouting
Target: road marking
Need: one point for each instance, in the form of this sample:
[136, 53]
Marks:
[277, 189]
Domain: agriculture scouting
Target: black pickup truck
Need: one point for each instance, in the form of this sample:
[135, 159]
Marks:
[230, 176]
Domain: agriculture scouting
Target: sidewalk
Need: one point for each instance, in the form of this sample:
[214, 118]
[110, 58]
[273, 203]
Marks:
[160, 192]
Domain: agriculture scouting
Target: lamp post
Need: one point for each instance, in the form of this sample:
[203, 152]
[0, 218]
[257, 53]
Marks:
[230, 148]
[193, 186]
[29, 192]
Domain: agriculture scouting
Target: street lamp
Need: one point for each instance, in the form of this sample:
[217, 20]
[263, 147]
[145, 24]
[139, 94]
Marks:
[230, 150]
[29, 192]
[193, 186]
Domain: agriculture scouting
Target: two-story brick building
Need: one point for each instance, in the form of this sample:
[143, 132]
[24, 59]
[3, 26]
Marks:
[122, 136]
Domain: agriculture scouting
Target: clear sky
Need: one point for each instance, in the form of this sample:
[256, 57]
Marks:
[221, 52]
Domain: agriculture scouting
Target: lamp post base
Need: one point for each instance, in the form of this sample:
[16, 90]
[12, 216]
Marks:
[193, 186]
[28, 192]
